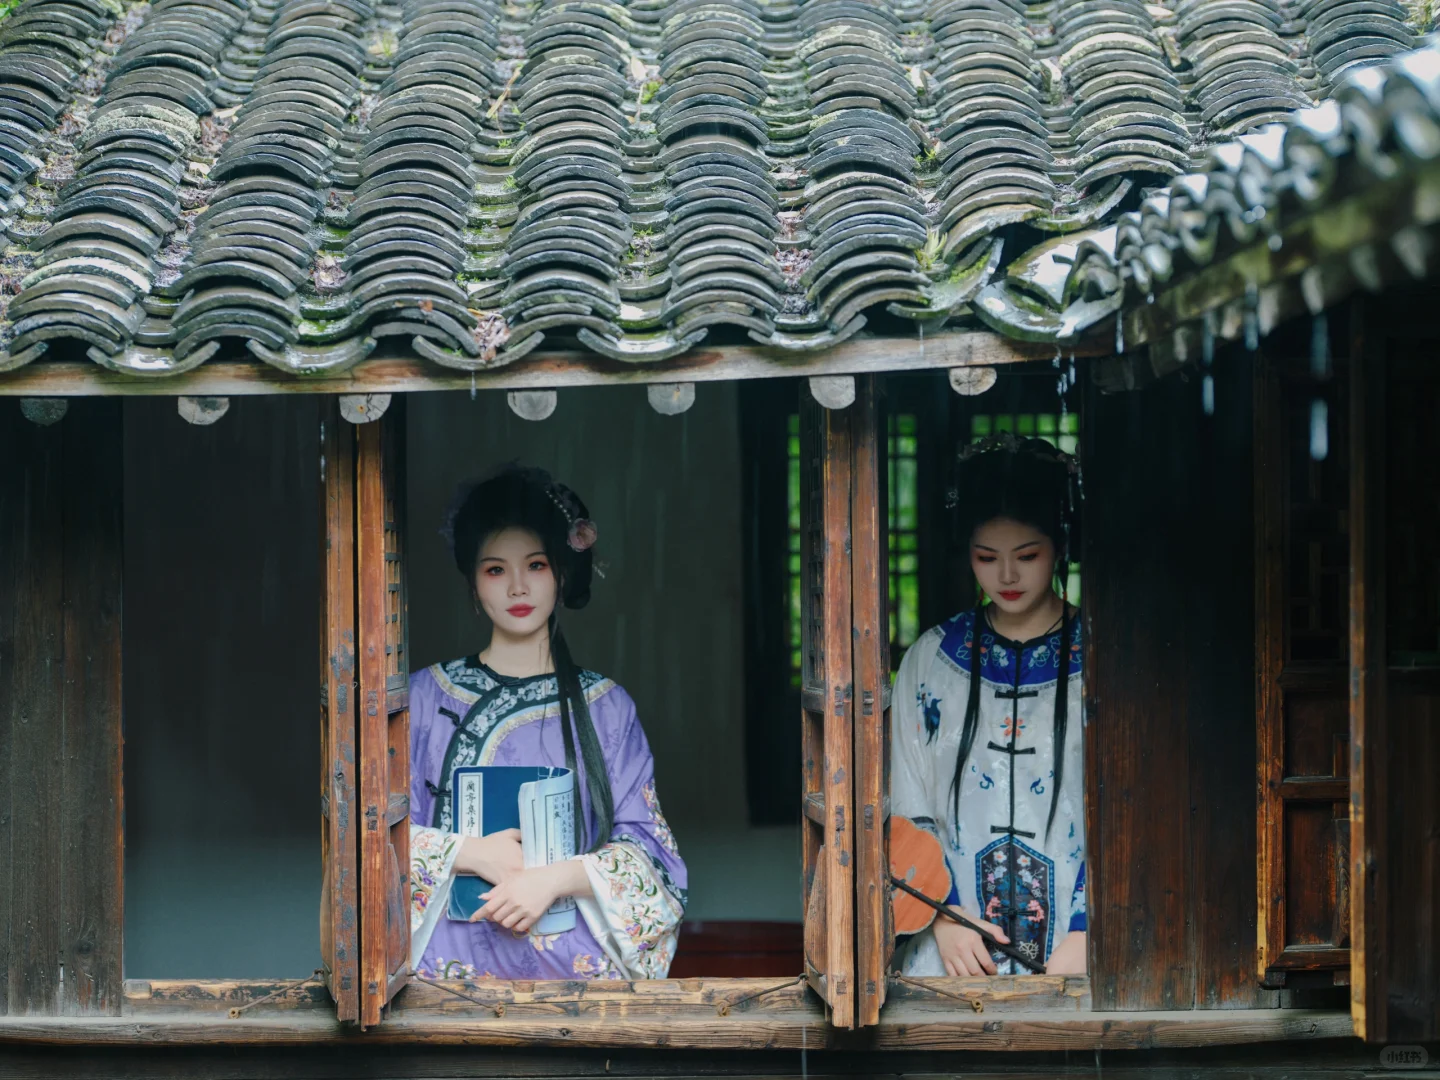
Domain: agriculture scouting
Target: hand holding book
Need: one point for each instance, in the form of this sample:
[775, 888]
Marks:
[535, 803]
[496, 857]
[519, 900]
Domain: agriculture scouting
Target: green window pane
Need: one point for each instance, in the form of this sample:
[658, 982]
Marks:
[907, 446]
[908, 542]
[792, 423]
[909, 609]
[1068, 443]
[1071, 423]
[792, 496]
[906, 423]
[1025, 424]
[908, 564]
[981, 426]
[1004, 422]
[907, 494]
[1045, 424]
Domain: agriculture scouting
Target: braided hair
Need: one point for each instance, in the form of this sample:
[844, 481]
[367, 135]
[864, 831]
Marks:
[528, 498]
[1029, 481]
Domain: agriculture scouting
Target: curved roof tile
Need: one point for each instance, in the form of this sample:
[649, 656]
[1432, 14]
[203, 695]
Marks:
[476, 177]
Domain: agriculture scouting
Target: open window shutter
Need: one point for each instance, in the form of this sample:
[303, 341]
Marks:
[1395, 688]
[826, 705]
[340, 896]
[384, 704]
[870, 578]
[1302, 676]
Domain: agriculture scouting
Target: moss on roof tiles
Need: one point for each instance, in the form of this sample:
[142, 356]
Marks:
[289, 174]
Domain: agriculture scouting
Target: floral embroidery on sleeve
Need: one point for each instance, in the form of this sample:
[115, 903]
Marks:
[641, 916]
[432, 856]
[657, 818]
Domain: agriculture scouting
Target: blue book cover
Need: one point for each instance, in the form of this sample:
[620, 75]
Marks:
[537, 800]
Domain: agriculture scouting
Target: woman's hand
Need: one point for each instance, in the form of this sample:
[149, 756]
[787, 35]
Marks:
[496, 857]
[964, 951]
[518, 902]
[1069, 956]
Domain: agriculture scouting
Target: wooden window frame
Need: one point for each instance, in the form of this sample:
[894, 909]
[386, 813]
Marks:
[1021, 1013]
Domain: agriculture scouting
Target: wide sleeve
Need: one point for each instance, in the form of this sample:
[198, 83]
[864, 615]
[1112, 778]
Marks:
[432, 872]
[432, 851]
[638, 879]
[910, 794]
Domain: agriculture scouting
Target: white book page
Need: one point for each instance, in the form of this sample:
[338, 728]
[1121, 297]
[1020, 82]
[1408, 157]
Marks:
[547, 835]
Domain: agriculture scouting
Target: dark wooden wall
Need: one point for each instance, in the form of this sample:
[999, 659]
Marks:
[60, 730]
[1408, 504]
[1413, 978]
[1168, 564]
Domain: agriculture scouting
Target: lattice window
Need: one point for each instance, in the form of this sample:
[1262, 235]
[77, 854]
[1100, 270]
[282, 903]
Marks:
[813, 570]
[903, 517]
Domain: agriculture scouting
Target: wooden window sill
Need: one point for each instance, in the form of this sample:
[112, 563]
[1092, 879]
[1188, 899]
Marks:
[671, 1014]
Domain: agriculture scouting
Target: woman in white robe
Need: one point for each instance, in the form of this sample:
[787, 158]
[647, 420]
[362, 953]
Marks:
[993, 765]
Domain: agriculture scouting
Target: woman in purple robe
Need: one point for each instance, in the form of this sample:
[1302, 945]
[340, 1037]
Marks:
[523, 544]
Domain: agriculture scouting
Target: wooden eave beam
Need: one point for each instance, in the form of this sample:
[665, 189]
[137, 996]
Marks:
[386, 374]
[1326, 240]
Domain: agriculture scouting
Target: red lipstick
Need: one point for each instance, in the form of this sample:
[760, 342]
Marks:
[520, 610]
[1010, 595]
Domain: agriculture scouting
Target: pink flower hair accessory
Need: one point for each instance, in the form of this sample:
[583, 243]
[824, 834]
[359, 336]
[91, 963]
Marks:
[583, 534]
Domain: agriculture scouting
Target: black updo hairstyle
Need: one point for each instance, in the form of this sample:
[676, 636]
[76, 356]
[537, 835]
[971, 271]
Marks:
[528, 498]
[1029, 481]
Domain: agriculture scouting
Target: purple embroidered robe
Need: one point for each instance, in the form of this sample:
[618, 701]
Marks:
[462, 713]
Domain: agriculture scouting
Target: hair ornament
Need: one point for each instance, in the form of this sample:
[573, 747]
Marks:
[582, 535]
[582, 532]
[1007, 442]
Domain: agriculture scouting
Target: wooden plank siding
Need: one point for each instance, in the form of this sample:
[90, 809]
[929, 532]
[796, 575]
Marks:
[1168, 565]
[32, 709]
[91, 810]
[1395, 689]
[61, 810]
[1412, 589]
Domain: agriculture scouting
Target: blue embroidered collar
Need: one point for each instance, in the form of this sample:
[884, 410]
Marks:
[1038, 660]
